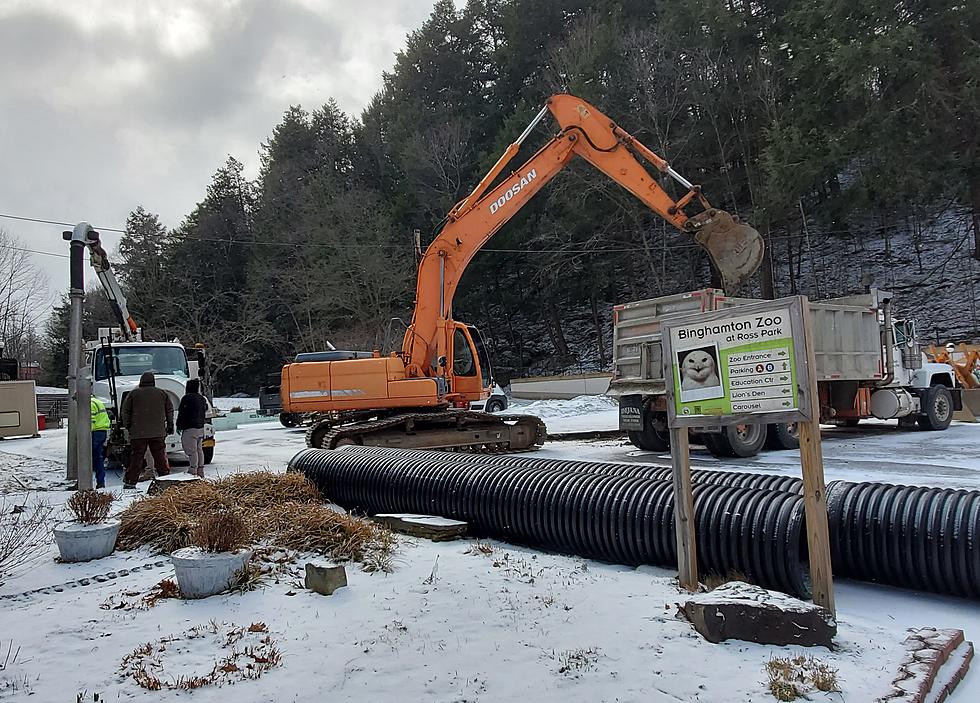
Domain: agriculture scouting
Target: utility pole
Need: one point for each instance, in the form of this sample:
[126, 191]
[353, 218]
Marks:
[79, 378]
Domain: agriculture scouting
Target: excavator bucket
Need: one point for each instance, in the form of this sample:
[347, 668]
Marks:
[734, 248]
[971, 406]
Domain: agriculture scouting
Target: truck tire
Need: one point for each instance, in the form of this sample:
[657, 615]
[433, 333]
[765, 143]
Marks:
[783, 435]
[208, 455]
[937, 409]
[495, 405]
[736, 440]
[288, 420]
[650, 438]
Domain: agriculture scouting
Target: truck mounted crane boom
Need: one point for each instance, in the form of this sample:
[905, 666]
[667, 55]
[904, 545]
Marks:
[117, 301]
[448, 354]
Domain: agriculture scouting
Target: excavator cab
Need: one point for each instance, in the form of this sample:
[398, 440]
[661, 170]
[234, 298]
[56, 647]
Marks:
[470, 365]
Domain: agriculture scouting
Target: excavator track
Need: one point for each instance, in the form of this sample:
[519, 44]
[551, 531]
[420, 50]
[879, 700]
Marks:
[449, 430]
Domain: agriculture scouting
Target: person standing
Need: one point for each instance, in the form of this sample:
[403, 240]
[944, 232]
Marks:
[100, 431]
[191, 414]
[148, 414]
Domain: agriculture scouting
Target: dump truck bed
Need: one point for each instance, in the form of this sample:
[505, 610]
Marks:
[846, 336]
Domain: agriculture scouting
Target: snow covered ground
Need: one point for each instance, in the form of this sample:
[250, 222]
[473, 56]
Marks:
[453, 623]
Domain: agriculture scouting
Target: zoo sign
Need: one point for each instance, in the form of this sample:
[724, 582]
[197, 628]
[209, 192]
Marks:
[737, 364]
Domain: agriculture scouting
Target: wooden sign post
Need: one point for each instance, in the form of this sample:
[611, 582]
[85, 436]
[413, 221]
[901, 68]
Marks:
[687, 548]
[814, 489]
[751, 364]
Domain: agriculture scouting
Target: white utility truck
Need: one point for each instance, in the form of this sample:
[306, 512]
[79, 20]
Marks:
[868, 365]
[116, 369]
[120, 356]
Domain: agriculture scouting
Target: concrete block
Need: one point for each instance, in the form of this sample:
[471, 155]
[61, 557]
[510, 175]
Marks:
[325, 579]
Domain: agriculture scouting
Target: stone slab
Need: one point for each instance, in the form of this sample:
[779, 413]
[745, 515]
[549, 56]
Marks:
[161, 483]
[431, 527]
[745, 612]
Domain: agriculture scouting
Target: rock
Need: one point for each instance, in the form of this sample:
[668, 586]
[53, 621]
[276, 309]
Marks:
[741, 611]
[325, 579]
[161, 483]
[431, 527]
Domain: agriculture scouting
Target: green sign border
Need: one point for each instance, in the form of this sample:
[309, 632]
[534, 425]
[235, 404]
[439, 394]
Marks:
[720, 412]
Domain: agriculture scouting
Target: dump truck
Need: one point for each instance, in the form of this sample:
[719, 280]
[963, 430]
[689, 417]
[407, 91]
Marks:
[868, 365]
[420, 396]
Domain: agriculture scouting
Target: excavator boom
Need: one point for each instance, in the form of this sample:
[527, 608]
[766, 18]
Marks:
[734, 248]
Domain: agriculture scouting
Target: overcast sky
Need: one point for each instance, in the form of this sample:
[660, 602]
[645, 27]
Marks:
[109, 104]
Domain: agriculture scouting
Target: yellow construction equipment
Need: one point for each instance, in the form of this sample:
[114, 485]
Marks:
[965, 360]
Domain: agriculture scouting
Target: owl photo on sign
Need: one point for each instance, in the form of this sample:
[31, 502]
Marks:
[698, 370]
[699, 373]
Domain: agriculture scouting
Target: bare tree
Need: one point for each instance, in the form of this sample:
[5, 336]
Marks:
[231, 342]
[24, 299]
[438, 158]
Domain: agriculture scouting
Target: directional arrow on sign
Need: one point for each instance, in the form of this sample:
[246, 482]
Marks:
[784, 378]
[786, 391]
[785, 366]
[787, 404]
[782, 352]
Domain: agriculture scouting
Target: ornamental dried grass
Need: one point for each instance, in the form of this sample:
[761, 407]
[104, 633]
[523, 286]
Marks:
[90, 507]
[285, 510]
[317, 528]
[264, 489]
[164, 522]
[223, 531]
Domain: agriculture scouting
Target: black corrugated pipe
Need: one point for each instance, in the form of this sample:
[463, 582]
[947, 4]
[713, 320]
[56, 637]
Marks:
[624, 519]
[923, 538]
[742, 479]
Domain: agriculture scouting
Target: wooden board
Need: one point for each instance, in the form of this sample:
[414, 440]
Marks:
[814, 489]
[687, 553]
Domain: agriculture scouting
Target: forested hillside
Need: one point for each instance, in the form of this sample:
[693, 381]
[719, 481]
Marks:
[845, 132]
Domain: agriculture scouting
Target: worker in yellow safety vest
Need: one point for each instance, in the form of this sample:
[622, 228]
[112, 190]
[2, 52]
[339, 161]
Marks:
[100, 431]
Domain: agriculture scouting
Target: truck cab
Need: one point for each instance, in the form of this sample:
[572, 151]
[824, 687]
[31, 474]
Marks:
[116, 368]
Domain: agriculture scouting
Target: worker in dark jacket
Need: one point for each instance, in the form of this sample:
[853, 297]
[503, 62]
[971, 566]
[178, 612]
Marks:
[148, 414]
[191, 414]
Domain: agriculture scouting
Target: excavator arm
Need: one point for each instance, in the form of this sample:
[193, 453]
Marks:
[735, 249]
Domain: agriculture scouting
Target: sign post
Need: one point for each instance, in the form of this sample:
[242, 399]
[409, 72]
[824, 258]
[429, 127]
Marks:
[687, 548]
[751, 364]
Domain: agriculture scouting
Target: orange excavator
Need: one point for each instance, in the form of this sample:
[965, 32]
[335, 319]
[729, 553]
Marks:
[420, 396]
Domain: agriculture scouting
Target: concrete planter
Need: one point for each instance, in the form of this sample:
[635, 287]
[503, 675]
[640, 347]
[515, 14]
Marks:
[201, 574]
[80, 542]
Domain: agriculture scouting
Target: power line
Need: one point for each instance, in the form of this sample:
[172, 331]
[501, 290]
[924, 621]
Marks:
[408, 246]
[35, 251]
[55, 222]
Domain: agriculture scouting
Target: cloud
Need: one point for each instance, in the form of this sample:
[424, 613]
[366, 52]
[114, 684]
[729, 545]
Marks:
[107, 105]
